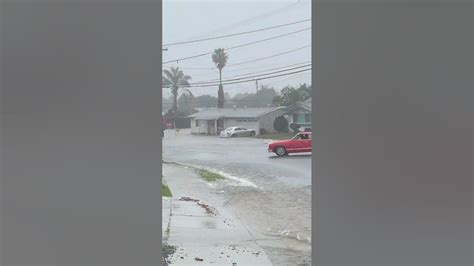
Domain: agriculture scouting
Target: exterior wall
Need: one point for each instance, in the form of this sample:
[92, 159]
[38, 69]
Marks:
[211, 126]
[266, 121]
[290, 119]
[201, 128]
[234, 122]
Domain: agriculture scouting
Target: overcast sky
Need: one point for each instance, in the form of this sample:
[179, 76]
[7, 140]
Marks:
[185, 20]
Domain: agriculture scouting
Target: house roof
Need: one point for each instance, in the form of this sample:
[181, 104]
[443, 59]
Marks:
[305, 105]
[214, 113]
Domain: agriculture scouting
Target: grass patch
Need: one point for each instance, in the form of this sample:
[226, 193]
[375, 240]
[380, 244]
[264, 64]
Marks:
[165, 191]
[276, 136]
[205, 174]
[209, 176]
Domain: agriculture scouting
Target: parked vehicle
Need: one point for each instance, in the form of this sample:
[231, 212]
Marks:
[301, 142]
[233, 132]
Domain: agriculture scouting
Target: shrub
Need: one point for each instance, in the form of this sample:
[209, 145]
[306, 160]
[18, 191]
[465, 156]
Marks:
[280, 124]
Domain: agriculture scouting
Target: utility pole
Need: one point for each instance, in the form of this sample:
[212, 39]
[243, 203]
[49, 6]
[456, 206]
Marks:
[256, 95]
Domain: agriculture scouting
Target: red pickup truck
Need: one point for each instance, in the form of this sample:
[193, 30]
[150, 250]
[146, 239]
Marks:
[301, 142]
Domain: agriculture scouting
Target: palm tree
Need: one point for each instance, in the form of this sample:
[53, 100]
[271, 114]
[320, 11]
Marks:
[175, 79]
[220, 60]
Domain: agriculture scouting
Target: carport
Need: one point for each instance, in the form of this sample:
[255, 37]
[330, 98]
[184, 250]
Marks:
[207, 124]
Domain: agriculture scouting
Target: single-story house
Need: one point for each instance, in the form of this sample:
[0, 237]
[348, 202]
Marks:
[299, 113]
[214, 120]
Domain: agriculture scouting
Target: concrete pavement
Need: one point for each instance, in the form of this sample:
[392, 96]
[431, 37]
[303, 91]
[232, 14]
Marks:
[196, 221]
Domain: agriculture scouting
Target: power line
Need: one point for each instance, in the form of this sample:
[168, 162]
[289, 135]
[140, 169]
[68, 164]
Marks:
[262, 78]
[251, 19]
[240, 69]
[251, 61]
[267, 39]
[238, 85]
[283, 80]
[249, 80]
[235, 78]
[236, 34]
[275, 55]
[238, 46]
[266, 70]
[307, 63]
[246, 76]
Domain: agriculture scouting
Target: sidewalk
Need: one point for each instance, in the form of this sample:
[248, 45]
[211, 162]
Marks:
[204, 232]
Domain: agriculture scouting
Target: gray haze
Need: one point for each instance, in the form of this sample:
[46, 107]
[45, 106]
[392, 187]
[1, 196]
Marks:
[189, 20]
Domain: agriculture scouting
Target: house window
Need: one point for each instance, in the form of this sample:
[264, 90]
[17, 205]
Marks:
[196, 123]
[300, 118]
[307, 118]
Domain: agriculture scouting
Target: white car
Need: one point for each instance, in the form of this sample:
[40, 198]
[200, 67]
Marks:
[233, 132]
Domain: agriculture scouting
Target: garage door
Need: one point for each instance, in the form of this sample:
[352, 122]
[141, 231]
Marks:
[248, 124]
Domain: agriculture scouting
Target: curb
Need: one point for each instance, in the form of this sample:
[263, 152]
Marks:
[225, 175]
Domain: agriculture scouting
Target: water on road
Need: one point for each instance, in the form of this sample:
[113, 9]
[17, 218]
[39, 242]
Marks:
[272, 194]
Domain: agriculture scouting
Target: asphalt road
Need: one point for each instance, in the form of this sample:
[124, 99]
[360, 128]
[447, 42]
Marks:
[274, 195]
[245, 157]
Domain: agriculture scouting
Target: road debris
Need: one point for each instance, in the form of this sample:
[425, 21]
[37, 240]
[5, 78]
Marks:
[209, 210]
[188, 199]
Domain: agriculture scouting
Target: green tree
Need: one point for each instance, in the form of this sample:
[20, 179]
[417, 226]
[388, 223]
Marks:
[175, 79]
[265, 96]
[290, 95]
[220, 60]
[186, 103]
[204, 101]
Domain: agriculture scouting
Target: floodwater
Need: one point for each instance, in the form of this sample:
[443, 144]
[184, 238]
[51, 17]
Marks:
[271, 194]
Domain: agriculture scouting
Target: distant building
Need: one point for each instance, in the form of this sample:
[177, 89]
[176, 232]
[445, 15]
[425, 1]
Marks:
[214, 120]
[299, 113]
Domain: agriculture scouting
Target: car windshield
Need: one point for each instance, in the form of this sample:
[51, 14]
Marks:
[302, 136]
[229, 129]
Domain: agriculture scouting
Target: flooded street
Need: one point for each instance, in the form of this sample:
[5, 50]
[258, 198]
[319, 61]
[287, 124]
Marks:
[271, 194]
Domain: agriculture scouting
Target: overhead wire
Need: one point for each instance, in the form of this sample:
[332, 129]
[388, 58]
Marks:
[236, 34]
[271, 56]
[237, 46]
[251, 61]
[251, 19]
[252, 76]
[266, 70]
[242, 81]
